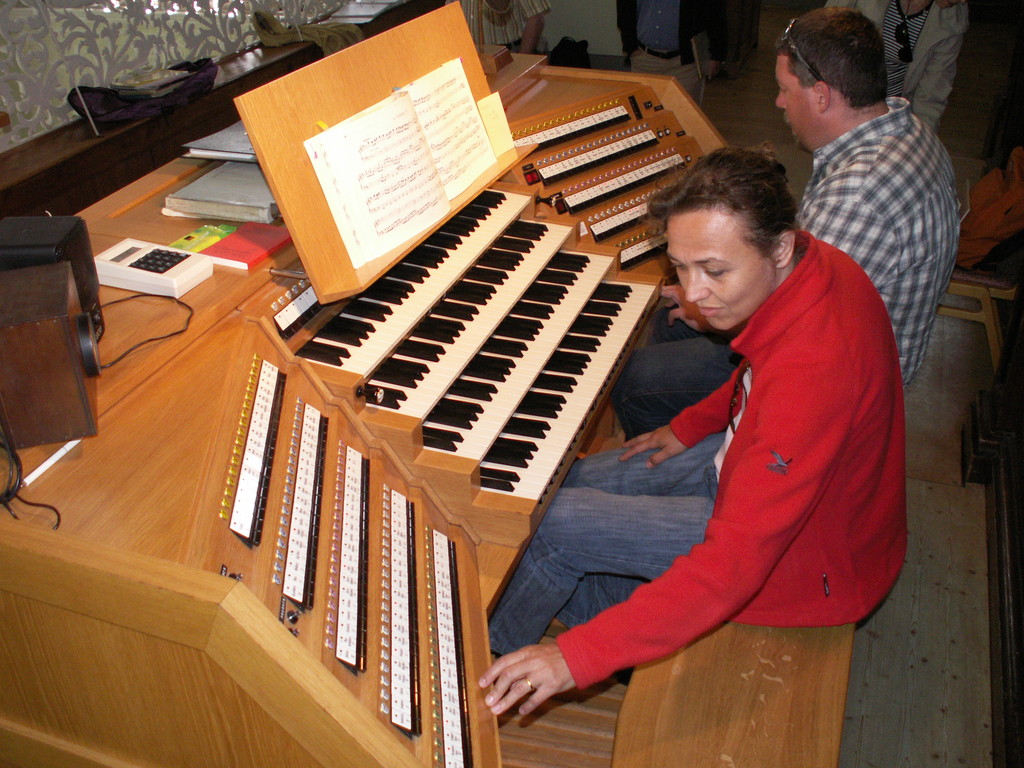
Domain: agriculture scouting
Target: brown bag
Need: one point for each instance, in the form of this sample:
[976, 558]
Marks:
[997, 211]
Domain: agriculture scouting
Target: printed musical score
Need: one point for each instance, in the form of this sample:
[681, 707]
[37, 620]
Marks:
[389, 172]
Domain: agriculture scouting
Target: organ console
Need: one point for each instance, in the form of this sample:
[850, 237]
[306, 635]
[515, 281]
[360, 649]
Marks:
[385, 439]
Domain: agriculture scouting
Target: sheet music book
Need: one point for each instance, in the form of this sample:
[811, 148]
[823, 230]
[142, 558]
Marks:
[231, 143]
[389, 172]
[232, 191]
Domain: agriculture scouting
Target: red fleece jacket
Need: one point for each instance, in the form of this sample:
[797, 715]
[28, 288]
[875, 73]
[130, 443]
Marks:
[809, 524]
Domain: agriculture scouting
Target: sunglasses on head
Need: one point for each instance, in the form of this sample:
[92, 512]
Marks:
[788, 41]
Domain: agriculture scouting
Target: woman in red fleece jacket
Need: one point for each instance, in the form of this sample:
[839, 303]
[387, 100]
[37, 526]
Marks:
[778, 500]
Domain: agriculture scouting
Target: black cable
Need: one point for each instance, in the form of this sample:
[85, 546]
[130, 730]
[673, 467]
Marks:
[13, 486]
[131, 349]
[10, 489]
[56, 512]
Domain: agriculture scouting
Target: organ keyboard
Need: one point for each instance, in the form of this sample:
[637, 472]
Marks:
[473, 338]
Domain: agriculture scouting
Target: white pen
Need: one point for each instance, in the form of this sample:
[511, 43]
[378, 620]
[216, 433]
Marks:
[61, 452]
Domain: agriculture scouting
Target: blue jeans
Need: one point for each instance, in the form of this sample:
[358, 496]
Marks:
[678, 367]
[612, 526]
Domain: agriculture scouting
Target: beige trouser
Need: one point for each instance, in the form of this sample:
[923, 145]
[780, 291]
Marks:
[640, 61]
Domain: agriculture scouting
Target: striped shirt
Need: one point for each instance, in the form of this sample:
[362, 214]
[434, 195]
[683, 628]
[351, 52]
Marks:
[895, 69]
[490, 27]
[884, 193]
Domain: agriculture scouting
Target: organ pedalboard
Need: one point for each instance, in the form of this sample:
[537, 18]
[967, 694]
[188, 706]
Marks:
[356, 560]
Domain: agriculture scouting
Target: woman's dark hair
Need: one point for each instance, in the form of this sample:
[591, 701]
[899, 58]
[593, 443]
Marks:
[747, 182]
[844, 46]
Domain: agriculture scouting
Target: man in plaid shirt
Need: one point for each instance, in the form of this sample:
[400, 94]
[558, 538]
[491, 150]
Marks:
[882, 190]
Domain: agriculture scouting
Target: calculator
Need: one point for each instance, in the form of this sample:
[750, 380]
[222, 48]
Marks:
[150, 268]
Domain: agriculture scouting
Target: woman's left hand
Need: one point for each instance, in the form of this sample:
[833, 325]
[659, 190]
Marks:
[536, 673]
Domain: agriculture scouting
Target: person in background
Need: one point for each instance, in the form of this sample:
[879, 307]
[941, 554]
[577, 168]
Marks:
[882, 190]
[922, 40]
[657, 35]
[516, 24]
[779, 500]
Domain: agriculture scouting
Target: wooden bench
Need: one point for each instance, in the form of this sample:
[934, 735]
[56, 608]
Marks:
[740, 697]
[983, 288]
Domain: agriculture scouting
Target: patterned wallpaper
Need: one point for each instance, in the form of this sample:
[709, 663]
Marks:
[46, 46]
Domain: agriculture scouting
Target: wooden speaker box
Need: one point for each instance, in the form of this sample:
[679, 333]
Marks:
[47, 357]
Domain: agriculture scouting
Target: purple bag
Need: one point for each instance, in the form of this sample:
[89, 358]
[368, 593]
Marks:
[107, 106]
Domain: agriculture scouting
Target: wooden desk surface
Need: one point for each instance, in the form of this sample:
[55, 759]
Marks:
[133, 484]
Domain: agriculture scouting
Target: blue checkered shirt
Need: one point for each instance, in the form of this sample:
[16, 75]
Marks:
[885, 194]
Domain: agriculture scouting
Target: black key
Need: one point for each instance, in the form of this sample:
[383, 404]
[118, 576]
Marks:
[478, 212]
[517, 425]
[323, 353]
[455, 413]
[518, 328]
[490, 198]
[567, 362]
[505, 260]
[427, 256]
[369, 310]
[488, 367]
[612, 292]
[454, 309]
[345, 330]
[546, 292]
[438, 439]
[408, 272]
[491, 480]
[455, 227]
[573, 262]
[579, 343]
[590, 326]
[514, 244]
[555, 382]
[404, 373]
[443, 240]
[531, 309]
[438, 329]
[541, 404]
[603, 308]
[470, 292]
[487, 275]
[421, 350]
[531, 230]
[470, 222]
[558, 276]
[506, 347]
[515, 453]
[385, 289]
[475, 390]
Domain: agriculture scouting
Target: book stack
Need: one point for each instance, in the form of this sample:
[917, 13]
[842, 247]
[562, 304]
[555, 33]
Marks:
[232, 143]
[149, 83]
[232, 191]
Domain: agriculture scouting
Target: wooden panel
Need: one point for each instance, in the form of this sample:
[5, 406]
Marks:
[149, 662]
[743, 696]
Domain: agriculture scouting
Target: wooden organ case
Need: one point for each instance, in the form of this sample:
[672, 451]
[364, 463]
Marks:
[369, 477]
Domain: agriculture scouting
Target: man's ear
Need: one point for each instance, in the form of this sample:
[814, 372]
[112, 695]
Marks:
[823, 96]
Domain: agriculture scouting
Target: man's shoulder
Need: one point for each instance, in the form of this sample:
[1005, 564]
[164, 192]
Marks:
[893, 159]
